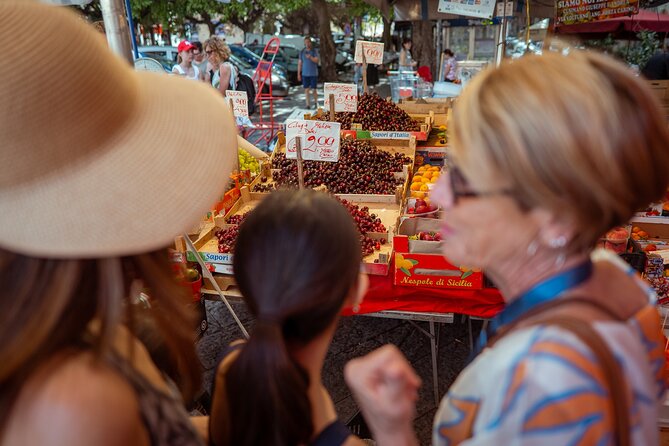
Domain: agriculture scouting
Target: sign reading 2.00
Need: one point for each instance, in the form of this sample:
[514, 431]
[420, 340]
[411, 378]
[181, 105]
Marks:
[319, 140]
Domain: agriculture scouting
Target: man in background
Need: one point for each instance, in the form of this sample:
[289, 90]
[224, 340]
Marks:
[307, 71]
[200, 61]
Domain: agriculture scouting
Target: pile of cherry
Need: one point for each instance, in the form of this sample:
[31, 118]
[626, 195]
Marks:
[362, 169]
[365, 222]
[376, 114]
[228, 237]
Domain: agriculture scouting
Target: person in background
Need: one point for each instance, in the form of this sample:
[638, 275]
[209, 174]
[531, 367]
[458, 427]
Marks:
[307, 71]
[269, 391]
[406, 61]
[577, 355]
[450, 66]
[72, 370]
[222, 73]
[185, 66]
[657, 67]
[200, 61]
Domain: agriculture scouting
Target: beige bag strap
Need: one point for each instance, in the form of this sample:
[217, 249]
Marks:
[583, 330]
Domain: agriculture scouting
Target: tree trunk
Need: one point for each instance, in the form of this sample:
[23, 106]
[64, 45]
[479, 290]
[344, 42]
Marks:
[327, 47]
[387, 38]
[423, 44]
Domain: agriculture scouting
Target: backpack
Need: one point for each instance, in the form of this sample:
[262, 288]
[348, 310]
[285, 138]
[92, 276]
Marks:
[244, 83]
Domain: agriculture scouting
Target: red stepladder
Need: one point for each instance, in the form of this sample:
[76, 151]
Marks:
[266, 127]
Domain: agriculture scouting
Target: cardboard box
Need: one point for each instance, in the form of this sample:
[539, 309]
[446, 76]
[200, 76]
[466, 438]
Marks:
[421, 263]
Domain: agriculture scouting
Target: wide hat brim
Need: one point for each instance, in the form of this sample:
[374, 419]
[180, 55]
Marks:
[160, 173]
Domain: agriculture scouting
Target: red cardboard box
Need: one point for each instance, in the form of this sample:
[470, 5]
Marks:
[420, 262]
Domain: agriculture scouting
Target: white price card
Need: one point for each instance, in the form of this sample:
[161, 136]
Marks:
[345, 96]
[240, 103]
[373, 52]
[319, 139]
[483, 9]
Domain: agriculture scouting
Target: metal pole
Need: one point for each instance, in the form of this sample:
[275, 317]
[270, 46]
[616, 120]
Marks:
[439, 42]
[116, 28]
[131, 26]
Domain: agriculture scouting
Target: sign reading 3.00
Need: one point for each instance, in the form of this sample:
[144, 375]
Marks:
[345, 96]
[319, 139]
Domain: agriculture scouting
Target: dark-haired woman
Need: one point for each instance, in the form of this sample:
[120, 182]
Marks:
[406, 61]
[269, 391]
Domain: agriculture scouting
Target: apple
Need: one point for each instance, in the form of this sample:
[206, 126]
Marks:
[422, 209]
[419, 203]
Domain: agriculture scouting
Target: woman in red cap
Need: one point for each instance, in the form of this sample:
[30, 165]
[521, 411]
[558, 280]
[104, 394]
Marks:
[185, 66]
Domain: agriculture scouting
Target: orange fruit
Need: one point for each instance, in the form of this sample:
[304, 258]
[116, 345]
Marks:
[425, 180]
[428, 175]
[424, 188]
[417, 178]
[434, 179]
[416, 194]
[416, 186]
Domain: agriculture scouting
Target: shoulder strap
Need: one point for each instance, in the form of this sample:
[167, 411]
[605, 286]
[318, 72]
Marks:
[613, 375]
[612, 371]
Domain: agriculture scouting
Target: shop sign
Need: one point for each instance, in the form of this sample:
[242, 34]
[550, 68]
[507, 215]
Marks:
[373, 52]
[240, 103]
[345, 96]
[319, 140]
[569, 12]
[472, 8]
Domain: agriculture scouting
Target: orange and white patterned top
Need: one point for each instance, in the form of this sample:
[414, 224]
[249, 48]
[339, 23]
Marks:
[542, 386]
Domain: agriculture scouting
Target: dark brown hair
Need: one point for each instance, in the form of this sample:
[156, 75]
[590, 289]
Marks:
[47, 306]
[297, 259]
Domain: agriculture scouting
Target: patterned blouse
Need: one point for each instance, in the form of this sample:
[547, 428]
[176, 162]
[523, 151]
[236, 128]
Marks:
[542, 386]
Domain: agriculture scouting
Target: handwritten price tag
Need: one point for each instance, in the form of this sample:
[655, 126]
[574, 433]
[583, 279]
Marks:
[319, 139]
[240, 103]
[373, 52]
[345, 96]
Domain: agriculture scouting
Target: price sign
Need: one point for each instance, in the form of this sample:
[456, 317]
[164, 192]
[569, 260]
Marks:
[504, 9]
[240, 103]
[373, 52]
[345, 96]
[319, 139]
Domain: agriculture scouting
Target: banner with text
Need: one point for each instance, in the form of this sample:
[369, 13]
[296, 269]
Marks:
[373, 52]
[319, 139]
[570, 12]
[240, 103]
[345, 97]
[472, 8]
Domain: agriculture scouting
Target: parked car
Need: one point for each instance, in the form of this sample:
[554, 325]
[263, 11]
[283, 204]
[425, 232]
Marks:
[287, 56]
[253, 59]
[167, 56]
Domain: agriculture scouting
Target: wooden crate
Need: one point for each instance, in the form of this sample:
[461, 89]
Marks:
[661, 91]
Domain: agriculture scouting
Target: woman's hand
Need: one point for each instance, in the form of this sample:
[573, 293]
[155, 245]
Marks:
[386, 388]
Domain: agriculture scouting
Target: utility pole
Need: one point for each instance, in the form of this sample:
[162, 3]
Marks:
[116, 28]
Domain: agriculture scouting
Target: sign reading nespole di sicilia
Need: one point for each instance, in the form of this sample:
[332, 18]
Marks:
[569, 12]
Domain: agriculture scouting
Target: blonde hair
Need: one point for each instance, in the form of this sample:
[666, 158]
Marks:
[219, 47]
[576, 134]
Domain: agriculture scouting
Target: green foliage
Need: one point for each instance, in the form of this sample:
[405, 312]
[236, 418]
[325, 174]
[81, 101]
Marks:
[647, 46]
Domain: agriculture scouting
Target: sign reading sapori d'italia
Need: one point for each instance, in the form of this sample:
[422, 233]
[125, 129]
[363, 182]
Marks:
[569, 12]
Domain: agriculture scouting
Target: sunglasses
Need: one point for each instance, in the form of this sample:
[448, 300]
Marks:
[460, 187]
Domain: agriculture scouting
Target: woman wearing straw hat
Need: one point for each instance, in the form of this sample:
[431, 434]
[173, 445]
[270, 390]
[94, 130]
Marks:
[97, 177]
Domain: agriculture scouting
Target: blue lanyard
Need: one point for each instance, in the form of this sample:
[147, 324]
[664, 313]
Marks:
[540, 294]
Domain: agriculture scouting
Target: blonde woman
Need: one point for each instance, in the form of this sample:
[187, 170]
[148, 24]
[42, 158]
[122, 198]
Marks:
[222, 73]
[549, 153]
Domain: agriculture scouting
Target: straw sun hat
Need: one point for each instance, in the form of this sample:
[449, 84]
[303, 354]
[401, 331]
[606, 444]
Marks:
[96, 159]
